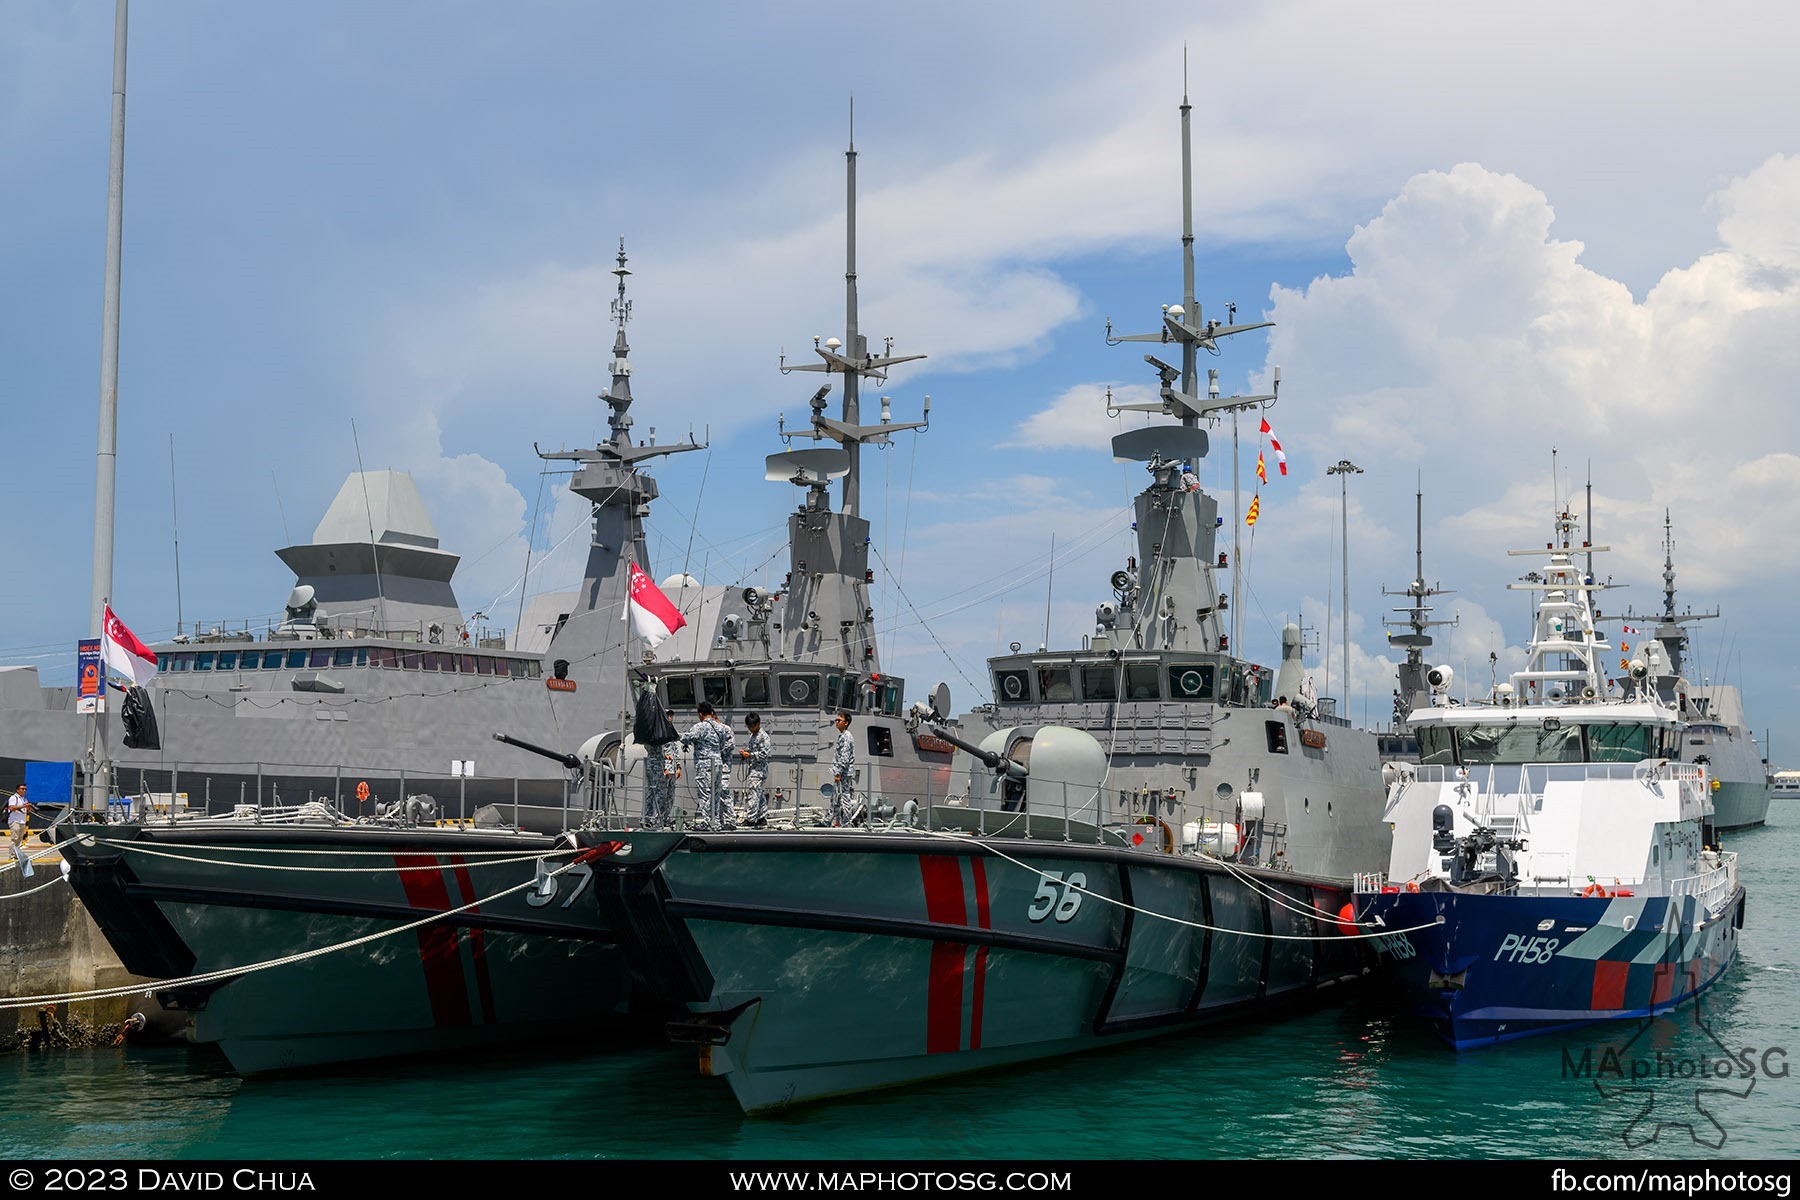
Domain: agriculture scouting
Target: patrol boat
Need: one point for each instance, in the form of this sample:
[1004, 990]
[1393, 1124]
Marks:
[1555, 863]
[1005, 912]
[374, 674]
[307, 934]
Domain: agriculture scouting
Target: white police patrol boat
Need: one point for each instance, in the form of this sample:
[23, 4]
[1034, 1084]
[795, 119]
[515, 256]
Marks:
[1554, 863]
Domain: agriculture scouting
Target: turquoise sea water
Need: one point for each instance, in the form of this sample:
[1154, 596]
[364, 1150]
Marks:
[1347, 1082]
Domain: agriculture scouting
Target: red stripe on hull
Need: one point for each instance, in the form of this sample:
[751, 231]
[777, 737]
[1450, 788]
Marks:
[944, 905]
[484, 979]
[439, 954]
[1609, 985]
[982, 918]
[1664, 987]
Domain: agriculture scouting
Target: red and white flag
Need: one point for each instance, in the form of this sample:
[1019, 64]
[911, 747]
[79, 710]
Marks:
[1275, 445]
[653, 618]
[123, 652]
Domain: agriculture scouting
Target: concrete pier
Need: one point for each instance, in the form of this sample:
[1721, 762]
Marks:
[50, 946]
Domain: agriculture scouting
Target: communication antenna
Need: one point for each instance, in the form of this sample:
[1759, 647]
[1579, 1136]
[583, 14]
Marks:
[175, 528]
[369, 512]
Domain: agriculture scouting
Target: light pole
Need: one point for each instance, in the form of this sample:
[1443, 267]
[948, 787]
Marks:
[1343, 470]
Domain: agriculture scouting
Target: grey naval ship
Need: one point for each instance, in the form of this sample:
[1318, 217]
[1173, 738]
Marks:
[1039, 877]
[1718, 735]
[252, 923]
[374, 686]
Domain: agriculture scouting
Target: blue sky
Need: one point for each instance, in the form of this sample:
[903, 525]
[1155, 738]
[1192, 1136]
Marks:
[1484, 233]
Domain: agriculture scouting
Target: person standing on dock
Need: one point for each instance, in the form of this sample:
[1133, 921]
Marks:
[843, 773]
[712, 743]
[17, 809]
[756, 778]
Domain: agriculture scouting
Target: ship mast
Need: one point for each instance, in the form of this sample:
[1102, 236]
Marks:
[1184, 324]
[99, 764]
[836, 544]
[1414, 691]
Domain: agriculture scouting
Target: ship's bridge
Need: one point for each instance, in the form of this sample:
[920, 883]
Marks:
[1107, 676]
[778, 685]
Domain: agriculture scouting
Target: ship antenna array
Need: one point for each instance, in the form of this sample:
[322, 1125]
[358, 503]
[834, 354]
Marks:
[1417, 614]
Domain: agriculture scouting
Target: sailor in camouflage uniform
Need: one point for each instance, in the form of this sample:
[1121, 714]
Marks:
[662, 767]
[843, 773]
[756, 775]
[711, 741]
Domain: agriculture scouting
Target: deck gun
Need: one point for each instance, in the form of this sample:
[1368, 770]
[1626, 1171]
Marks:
[567, 760]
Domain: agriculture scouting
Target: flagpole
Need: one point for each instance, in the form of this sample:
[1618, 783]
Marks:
[99, 781]
[1237, 543]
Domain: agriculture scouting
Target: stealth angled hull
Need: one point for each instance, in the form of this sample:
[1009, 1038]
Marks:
[300, 945]
[824, 962]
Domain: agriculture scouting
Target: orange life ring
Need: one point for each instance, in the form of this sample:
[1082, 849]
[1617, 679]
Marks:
[1412, 885]
[1594, 891]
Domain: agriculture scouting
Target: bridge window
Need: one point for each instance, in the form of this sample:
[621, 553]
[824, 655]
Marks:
[1099, 683]
[797, 691]
[1055, 684]
[716, 689]
[754, 688]
[1140, 681]
[1621, 743]
[680, 690]
[1191, 681]
[1012, 687]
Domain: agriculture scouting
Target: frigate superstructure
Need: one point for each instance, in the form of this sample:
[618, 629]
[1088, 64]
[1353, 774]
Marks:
[1718, 735]
[374, 674]
[1193, 744]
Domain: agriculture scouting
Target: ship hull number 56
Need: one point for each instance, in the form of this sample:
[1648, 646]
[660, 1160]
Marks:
[1058, 896]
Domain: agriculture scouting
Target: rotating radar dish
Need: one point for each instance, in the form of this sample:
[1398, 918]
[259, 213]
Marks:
[808, 467]
[1175, 443]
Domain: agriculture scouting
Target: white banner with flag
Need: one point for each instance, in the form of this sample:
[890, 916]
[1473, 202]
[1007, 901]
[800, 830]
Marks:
[123, 652]
[653, 618]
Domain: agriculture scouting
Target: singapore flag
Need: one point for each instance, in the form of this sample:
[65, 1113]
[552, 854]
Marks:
[653, 618]
[123, 652]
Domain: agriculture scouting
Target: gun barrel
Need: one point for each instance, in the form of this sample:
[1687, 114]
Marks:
[989, 759]
[567, 760]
